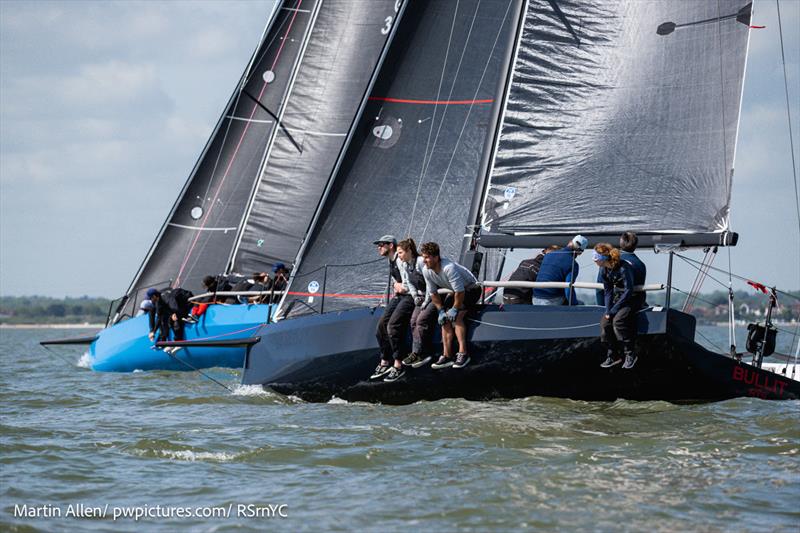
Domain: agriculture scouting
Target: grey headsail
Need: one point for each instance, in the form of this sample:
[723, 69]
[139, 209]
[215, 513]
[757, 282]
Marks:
[413, 165]
[200, 232]
[332, 84]
[622, 115]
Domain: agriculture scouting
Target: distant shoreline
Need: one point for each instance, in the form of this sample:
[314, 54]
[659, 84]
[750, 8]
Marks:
[84, 325]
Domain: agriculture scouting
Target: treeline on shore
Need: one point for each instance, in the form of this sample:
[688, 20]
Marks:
[46, 310]
[711, 307]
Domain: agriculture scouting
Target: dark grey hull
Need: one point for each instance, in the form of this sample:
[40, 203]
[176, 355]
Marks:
[516, 351]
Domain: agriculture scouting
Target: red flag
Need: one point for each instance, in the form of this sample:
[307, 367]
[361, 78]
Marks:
[758, 286]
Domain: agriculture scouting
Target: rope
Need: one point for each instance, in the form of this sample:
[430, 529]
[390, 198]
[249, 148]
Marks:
[230, 390]
[63, 358]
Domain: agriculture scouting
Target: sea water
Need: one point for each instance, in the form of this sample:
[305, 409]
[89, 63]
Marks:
[159, 451]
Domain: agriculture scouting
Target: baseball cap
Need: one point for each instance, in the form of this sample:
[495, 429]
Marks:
[388, 239]
[152, 292]
[278, 266]
[580, 242]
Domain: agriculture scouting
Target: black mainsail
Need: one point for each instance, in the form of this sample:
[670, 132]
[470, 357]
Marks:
[414, 163]
[622, 116]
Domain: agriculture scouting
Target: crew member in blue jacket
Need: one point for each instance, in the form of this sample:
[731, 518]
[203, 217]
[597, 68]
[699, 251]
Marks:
[627, 246]
[560, 265]
[618, 325]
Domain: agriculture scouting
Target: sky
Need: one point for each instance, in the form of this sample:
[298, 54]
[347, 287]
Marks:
[105, 106]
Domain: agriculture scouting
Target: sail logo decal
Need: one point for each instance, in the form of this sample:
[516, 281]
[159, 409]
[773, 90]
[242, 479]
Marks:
[382, 132]
[196, 212]
[313, 287]
[387, 131]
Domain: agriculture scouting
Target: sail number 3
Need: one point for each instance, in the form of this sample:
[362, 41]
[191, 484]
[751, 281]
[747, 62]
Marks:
[388, 21]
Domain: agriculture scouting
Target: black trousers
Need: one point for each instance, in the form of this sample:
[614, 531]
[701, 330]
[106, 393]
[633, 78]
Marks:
[619, 330]
[393, 327]
[166, 323]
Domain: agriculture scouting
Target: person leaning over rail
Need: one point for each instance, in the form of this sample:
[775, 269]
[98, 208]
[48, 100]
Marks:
[423, 318]
[169, 309]
[618, 325]
[628, 242]
[441, 273]
[560, 265]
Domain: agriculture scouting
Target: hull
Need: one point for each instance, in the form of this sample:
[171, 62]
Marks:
[516, 351]
[125, 346]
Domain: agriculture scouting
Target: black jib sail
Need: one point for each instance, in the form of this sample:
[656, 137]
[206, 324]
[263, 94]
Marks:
[419, 151]
[274, 148]
[339, 65]
[201, 230]
[622, 116]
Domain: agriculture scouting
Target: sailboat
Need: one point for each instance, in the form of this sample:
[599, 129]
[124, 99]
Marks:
[251, 196]
[517, 124]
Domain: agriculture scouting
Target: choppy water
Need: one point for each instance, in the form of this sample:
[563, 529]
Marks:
[137, 441]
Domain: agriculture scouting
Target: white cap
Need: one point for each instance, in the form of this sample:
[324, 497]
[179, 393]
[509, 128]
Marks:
[580, 242]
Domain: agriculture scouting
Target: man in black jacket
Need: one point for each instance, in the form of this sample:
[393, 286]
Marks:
[527, 270]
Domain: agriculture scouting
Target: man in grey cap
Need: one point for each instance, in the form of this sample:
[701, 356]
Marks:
[393, 325]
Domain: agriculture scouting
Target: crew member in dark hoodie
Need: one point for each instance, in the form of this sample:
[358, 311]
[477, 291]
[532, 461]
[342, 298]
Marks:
[169, 310]
[527, 270]
[627, 246]
[618, 325]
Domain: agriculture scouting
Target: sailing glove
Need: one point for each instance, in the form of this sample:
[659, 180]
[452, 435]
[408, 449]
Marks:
[451, 314]
[442, 317]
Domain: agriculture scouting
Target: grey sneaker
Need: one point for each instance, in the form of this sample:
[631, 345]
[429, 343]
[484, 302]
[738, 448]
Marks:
[461, 361]
[443, 362]
[611, 360]
[380, 371]
[394, 374]
[415, 360]
[630, 360]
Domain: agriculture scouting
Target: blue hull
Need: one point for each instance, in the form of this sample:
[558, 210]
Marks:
[125, 346]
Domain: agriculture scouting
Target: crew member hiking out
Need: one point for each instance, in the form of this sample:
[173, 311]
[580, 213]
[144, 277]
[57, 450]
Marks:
[618, 325]
[396, 315]
[628, 242]
[441, 273]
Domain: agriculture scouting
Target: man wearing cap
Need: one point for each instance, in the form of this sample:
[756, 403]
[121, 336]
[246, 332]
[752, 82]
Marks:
[560, 265]
[393, 325]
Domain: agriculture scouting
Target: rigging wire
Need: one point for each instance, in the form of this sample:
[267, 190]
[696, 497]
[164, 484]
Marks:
[423, 169]
[788, 116]
[735, 276]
